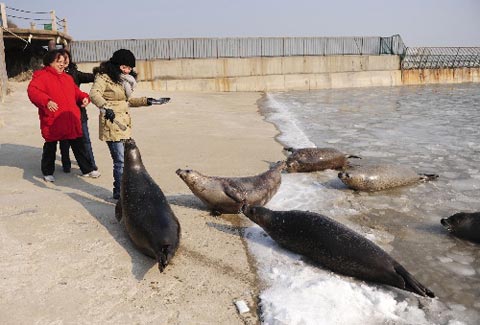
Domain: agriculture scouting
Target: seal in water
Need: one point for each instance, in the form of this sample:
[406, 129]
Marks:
[334, 246]
[148, 218]
[464, 225]
[315, 159]
[382, 176]
[228, 194]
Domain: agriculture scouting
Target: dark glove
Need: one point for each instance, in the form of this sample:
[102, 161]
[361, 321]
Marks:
[109, 114]
[159, 101]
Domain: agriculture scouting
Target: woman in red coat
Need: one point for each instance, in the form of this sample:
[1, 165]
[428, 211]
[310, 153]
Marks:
[55, 94]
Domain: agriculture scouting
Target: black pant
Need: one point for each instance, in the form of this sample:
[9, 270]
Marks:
[65, 154]
[78, 148]
[65, 148]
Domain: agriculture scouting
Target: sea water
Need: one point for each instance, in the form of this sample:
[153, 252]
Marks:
[432, 129]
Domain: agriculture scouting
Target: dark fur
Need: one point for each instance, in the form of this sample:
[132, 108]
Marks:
[148, 218]
[464, 225]
[334, 246]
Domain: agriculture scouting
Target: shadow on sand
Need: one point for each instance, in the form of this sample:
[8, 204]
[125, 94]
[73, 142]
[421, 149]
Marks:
[28, 159]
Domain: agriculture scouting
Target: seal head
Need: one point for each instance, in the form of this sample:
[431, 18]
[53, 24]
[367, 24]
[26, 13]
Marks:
[463, 225]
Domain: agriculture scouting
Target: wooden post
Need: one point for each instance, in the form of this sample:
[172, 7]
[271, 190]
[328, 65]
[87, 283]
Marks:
[54, 20]
[65, 30]
[3, 69]
[3, 15]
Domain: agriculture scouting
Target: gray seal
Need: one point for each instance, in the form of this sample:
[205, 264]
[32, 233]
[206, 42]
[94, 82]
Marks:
[381, 177]
[315, 159]
[334, 246]
[228, 194]
[148, 218]
[465, 225]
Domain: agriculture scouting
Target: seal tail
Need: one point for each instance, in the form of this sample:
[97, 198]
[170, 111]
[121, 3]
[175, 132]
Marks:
[411, 284]
[428, 177]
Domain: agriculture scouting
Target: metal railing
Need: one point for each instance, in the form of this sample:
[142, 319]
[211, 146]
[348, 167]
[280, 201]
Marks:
[200, 48]
[10, 17]
[441, 58]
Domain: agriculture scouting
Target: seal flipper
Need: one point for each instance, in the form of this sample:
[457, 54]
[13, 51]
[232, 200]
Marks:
[234, 193]
[411, 284]
[428, 177]
[350, 164]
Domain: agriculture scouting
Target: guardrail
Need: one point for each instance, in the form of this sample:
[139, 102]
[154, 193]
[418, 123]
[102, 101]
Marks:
[441, 58]
[47, 19]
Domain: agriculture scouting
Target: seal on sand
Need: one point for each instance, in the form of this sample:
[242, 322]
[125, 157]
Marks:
[149, 220]
[228, 194]
[334, 246]
[464, 225]
[315, 159]
[382, 176]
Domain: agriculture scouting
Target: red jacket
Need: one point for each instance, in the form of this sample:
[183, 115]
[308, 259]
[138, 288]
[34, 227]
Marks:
[47, 84]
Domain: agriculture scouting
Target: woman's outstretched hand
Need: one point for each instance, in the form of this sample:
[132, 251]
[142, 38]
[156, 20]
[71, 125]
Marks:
[157, 101]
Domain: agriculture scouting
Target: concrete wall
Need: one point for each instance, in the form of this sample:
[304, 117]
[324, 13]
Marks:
[276, 73]
[438, 76]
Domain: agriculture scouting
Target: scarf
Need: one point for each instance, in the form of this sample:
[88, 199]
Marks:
[129, 83]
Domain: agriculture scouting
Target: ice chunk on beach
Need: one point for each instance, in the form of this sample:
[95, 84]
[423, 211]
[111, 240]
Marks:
[460, 269]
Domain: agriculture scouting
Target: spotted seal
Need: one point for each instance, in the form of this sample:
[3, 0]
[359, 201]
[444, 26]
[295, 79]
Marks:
[465, 225]
[315, 159]
[381, 176]
[227, 194]
[334, 246]
[148, 218]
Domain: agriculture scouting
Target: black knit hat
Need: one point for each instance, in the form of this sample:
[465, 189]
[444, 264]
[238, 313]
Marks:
[123, 57]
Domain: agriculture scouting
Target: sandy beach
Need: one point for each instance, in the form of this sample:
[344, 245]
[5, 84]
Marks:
[64, 259]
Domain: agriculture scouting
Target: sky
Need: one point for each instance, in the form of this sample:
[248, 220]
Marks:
[418, 22]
